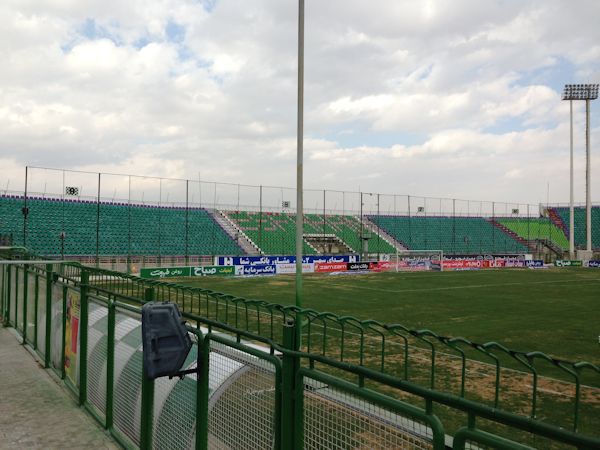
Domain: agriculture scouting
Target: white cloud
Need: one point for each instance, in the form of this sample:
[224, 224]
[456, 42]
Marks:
[409, 97]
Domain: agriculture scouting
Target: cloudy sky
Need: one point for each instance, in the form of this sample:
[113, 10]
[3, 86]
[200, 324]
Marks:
[441, 98]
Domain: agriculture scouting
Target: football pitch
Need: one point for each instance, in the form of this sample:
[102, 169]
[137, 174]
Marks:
[556, 311]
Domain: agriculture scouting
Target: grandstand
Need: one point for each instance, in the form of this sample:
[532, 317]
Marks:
[69, 227]
[59, 225]
[561, 217]
[536, 229]
[274, 233]
[453, 235]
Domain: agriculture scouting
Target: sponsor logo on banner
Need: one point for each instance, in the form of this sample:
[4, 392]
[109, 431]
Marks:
[511, 262]
[381, 266]
[212, 270]
[594, 263]
[484, 257]
[291, 268]
[331, 259]
[263, 269]
[272, 260]
[412, 265]
[330, 267]
[358, 266]
[165, 272]
[495, 263]
[466, 264]
[71, 334]
[568, 263]
[534, 263]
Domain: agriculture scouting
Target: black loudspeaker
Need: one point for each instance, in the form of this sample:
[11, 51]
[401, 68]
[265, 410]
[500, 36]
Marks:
[165, 340]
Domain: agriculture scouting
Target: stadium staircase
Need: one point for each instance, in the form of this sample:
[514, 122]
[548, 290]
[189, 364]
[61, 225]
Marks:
[562, 214]
[558, 221]
[347, 229]
[373, 228]
[527, 243]
[274, 232]
[236, 233]
[271, 232]
[540, 234]
[452, 235]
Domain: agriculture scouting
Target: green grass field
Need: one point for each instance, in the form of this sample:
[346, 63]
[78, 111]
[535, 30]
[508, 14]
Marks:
[555, 311]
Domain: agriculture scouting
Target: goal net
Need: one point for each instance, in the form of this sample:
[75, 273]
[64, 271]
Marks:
[417, 260]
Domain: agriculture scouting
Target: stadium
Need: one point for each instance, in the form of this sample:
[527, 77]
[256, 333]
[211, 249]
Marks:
[317, 318]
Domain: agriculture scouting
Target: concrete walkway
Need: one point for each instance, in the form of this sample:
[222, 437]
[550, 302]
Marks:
[36, 412]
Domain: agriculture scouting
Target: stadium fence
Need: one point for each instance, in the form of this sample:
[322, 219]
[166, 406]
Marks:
[275, 376]
[528, 224]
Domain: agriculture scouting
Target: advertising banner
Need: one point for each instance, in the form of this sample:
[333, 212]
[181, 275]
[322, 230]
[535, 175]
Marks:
[511, 262]
[593, 263]
[165, 272]
[490, 263]
[330, 267]
[413, 265]
[534, 263]
[485, 257]
[262, 269]
[357, 266]
[381, 266]
[71, 334]
[466, 264]
[331, 258]
[212, 270]
[568, 263]
[291, 268]
[270, 260]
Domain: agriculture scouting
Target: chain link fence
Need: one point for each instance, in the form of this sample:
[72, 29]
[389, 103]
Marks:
[125, 222]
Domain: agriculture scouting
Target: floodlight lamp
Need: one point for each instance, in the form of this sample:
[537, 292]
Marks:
[580, 92]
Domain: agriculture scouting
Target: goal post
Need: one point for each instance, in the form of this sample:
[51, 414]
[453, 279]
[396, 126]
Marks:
[416, 260]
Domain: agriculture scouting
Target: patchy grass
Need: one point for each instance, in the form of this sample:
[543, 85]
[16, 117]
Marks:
[555, 311]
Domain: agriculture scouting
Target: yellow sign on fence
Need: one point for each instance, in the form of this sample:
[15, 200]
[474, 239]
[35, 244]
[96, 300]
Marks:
[72, 334]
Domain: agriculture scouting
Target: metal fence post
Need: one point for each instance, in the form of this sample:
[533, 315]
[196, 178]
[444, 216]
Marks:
[292, 417]
[35, 312]
[3, 292]
[25, 294]
[147, 396]
[202, 392]
[8, 276]
[48, 318]
[110, 363]
[63, 341]
[83, 336]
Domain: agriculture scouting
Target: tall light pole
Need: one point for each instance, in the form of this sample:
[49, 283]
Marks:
[571, 191]
[300, 156]
[585, 92]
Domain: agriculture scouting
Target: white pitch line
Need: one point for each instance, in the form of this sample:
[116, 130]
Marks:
[467, 286]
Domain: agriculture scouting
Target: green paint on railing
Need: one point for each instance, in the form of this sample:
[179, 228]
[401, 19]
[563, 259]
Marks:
[83, 337]
[328, 340]
[481, 437]
[48, 319]
[147, 413]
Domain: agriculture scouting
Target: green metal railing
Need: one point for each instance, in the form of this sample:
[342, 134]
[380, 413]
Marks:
[337, 382]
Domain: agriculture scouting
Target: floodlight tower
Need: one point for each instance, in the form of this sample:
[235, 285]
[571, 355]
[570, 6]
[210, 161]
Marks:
[585, 92]
[300, 157]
